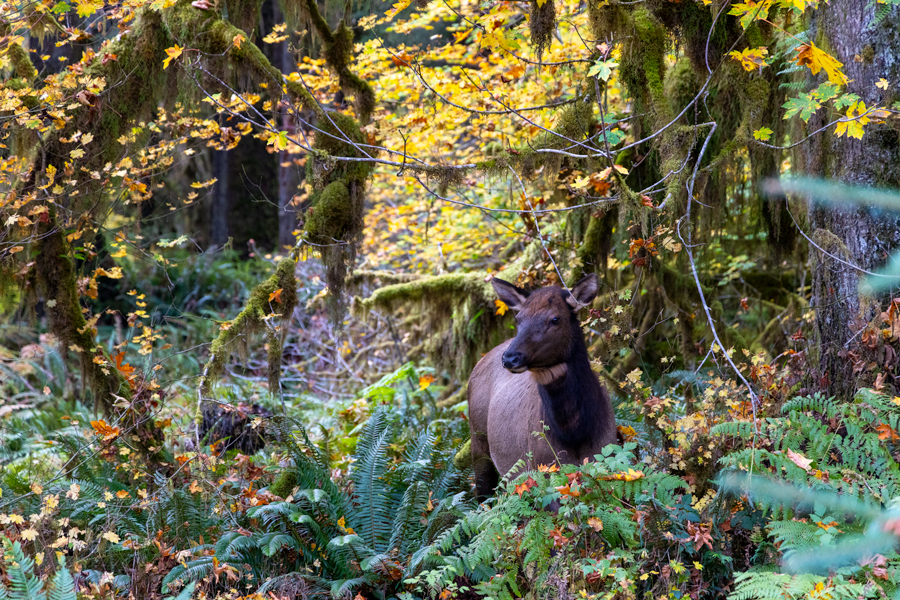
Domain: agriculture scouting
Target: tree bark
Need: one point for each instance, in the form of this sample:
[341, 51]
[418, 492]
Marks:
[858, 234]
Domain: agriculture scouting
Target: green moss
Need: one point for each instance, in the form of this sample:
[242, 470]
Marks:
[284, 483]
[463, 458]
[330, 215]
[643, 68]
[21, 63]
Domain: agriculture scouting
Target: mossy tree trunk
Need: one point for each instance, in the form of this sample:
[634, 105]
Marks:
[860, 235]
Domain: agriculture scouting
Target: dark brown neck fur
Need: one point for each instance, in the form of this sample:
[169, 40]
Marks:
[576, 408]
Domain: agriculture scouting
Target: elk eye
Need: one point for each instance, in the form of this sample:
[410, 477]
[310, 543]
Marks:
[554, 320]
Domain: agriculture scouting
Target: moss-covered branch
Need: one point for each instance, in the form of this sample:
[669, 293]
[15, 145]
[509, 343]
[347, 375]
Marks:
[278, 294]
[338, 53]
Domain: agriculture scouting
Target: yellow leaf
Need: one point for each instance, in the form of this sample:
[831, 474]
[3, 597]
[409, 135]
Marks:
[397, 7]
[751, 58]
[595, 523]
[817, 59]
[280, 141]
[171, 53]
[882, 83]
[29, 534]
[502, 308]
[112, 537]
[425, 381]
[238, 40]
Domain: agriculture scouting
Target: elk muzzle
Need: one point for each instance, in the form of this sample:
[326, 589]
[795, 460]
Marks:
[514, 361]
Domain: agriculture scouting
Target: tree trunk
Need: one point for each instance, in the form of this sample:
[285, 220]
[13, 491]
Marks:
[219, 209]
[860, 235]
[288, 171]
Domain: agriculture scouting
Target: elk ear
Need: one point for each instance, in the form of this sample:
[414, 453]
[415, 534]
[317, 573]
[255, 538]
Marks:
[584, 292]
[513, 296]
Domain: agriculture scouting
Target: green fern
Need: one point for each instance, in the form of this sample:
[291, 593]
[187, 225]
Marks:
[25, 585]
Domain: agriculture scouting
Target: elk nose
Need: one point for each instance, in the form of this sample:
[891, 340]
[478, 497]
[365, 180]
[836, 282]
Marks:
[513, 360]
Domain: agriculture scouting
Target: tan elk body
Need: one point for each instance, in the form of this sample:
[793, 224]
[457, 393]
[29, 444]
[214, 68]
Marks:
[541, 377]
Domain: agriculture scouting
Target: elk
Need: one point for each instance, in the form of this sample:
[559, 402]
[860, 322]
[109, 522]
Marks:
[542, 377]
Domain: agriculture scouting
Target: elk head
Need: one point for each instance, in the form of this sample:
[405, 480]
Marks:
[547, 327]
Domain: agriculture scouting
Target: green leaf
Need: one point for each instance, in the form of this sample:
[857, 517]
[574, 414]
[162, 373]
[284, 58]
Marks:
[602, 69]
[763, 134]
[826, 92]
[845, 101]
[804, 105]
[60, 8]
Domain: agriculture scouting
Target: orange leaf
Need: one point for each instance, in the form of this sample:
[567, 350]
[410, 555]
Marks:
[566, 490]
[425, 381]
[276, 295]
[525, 486]
[502, 308]
[886, 432]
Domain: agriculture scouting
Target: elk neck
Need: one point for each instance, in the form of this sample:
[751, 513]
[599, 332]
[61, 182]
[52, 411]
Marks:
[574, 404]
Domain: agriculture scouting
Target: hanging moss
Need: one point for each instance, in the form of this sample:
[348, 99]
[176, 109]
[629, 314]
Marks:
[21, 63]
[330, 215]
[542, 25]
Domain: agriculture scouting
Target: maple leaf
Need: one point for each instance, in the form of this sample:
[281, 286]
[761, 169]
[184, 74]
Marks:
[559, 539]
[799, 460]
[595, 523]
[751, 58]
[602, 68]
[763, 134]
[525, 486]
[108, 433]
[238, 40]
[171, 54]
[122, 494]
[110, 536]
[700, 534]
[750, 11]
[886, 432]
[882, 83]
[852, 124]
[276, 295]
[396, 8]
[816, 59]
[229, 571]
[280, 141]
[425, 381]
[551, 469]
[502, 308]
[805, 105]
[566, 490]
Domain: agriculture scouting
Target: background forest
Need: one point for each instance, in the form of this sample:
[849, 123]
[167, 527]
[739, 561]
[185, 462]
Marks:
[245, 266]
